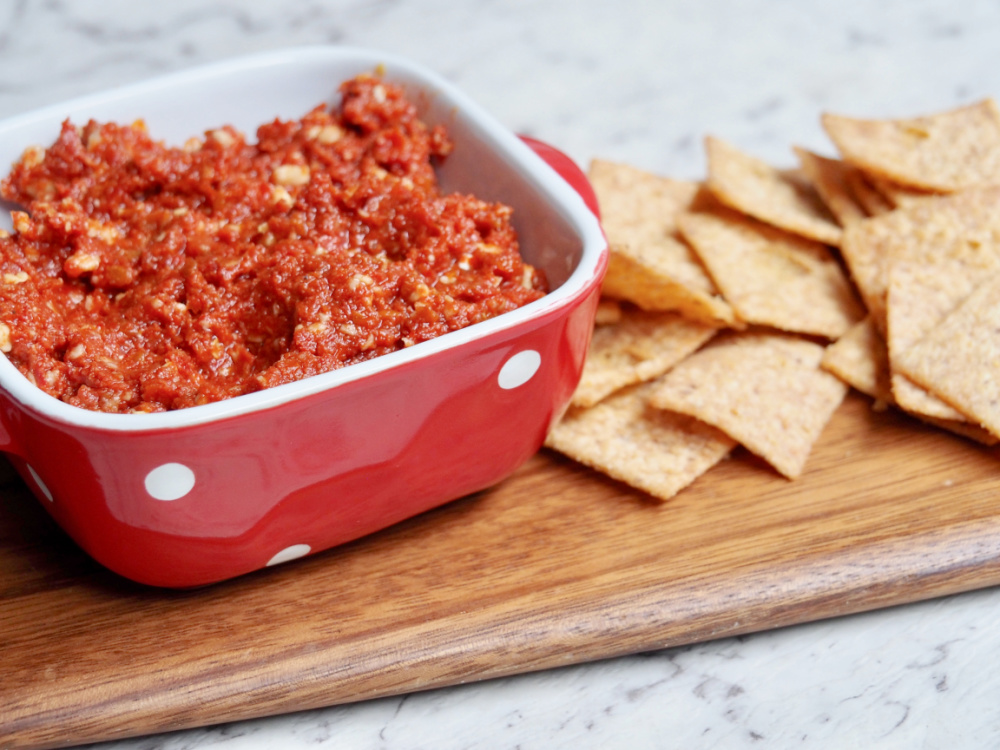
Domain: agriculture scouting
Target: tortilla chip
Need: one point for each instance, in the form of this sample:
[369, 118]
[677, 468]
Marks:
[945, 248]
[755, 188]
[652, 450]
[830, 178]
[764, 390]
[963, 429]
[870, 198]
[870, 247]
[649, 265]
[642, 346]
[900, 196]
[919, 401]
[771, 277]
[608, 311]
[861, 360]
[960, 358]
[865, 252]
[618, 185]
[940, 251]
[646, 281]
[945, 152]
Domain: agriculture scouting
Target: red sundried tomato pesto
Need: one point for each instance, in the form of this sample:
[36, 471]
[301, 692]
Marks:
[143, 277]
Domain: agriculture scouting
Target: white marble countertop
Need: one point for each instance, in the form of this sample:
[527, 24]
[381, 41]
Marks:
[639, 82]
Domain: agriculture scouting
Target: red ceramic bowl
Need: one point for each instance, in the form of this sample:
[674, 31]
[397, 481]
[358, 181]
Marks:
[199, 495]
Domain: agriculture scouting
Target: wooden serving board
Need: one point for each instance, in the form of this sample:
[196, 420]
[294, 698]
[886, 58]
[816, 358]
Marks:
[557, 565]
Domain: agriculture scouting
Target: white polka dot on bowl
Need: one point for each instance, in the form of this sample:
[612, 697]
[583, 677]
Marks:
[519, 369]
[290, 553]
[169, 481]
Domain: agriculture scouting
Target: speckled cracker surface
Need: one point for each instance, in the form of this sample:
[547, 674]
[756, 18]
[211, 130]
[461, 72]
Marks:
[939, 253]
[772, 277]
[960, 359]
[618, 185]
[861, 360]
[755, 188]
[947, 152]
[831, 178]
[865, 250]
[925, 233]
[649, 264]
[943, 250]
[925, 252]
[900, 196]
[639, 347]
[910, 397]
[871, 249]
[654, 451]
[871, 198]
[645, 279]
[765, 391]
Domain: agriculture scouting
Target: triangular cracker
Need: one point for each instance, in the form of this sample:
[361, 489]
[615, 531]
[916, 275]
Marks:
[772, 277]
[766, 391]
[872, 246]
[641, 346]
[945, 152]
[655, 451]
[608, 311]
[757, 189]
[943, 249]
[870, 198]
[866, 249]
[649, 264]
[831, 178]
[919, 401]
[900, 196]
[960, 358]
[860, 358]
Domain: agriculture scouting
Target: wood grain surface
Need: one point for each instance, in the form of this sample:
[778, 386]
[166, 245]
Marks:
[555, 566]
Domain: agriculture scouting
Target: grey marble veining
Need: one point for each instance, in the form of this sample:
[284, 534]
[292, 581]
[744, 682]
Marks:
[640, 82]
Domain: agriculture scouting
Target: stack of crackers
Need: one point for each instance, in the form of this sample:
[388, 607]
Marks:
[738, 310]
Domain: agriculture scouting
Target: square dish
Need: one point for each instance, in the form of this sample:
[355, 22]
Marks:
[198, 495]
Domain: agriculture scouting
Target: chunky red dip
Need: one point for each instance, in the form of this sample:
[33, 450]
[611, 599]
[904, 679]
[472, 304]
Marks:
[145, 278]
